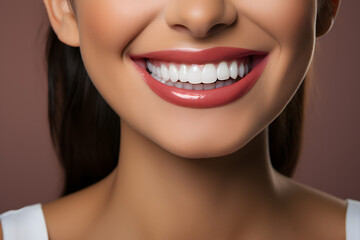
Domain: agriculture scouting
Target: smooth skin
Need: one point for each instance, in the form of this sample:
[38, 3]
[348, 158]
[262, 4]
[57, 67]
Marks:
[188, 173]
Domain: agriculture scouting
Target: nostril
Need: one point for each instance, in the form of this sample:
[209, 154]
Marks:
[217, 28]
[180, 28]
[196, 32]
[201, 32]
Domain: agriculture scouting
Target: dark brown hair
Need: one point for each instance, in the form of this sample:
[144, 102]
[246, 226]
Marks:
[84, 129]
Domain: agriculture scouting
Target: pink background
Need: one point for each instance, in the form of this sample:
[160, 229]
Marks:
[30, 173]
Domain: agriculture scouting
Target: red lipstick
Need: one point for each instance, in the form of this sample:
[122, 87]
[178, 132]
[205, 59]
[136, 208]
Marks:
[202, 98]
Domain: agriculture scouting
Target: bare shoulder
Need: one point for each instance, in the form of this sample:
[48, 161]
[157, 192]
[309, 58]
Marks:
[318, 213]
[70, 217]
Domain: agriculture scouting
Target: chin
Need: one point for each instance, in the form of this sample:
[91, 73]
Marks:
[204, 148]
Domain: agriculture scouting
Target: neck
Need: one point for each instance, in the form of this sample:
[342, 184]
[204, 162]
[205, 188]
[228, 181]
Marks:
[165, 196]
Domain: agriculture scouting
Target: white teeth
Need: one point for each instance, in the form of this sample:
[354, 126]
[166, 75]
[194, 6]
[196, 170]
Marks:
[234, 70]
[154, 75]
[198, 77]
[165, 73]
[241, 70]
[183, 73]
[223, 72]
[209, 74]
[174, 73]
[150, 66]
[194, 74]
[246, 68]
[158, 72]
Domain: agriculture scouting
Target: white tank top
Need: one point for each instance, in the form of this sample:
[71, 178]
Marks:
[28, 223]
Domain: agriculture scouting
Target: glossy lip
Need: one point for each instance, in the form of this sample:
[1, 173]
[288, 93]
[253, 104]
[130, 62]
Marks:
[191, 56]
[201, 98]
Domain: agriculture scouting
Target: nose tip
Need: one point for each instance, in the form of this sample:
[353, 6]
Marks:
[200, 18]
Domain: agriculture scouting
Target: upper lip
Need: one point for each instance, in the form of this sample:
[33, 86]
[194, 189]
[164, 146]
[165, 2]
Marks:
[191, 56]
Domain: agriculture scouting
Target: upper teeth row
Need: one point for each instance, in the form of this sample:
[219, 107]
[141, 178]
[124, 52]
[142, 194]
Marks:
[195, 74]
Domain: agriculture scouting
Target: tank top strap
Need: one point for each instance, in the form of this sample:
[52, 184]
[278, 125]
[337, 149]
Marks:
[27, 223]
[353, 220]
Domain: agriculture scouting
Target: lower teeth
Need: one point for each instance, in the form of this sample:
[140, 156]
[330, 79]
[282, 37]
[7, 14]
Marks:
[200, 86]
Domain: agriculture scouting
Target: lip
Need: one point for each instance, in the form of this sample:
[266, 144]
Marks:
[201, 98]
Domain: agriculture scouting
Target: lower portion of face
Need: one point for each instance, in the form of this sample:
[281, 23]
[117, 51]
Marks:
[112, 32]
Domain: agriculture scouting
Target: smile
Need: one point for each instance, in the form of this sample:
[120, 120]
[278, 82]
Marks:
[202, 79]
[199, 77]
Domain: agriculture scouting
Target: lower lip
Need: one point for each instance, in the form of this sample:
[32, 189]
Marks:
[204, 98]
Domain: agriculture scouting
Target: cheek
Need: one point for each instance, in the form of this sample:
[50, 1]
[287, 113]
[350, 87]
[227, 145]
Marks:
[114, 23]
[106, 28]
[291, 23]
[285, 20]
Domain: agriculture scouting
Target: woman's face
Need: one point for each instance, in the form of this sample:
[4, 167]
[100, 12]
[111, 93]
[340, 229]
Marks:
[114, 34]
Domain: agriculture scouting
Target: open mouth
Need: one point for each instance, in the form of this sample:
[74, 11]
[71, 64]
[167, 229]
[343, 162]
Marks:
[200, 77]
[205, 78]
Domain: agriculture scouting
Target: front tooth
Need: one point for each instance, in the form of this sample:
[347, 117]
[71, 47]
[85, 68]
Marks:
[165, 72]
[209, 74]
[223, 72]
[234, 70]
[194, 74]
[183, 74]
[174, 73]
[241, 70]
